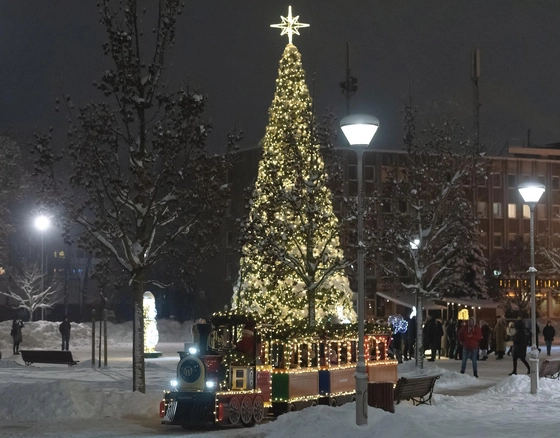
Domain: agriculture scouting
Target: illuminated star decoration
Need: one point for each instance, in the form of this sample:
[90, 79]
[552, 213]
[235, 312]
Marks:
[289, 25]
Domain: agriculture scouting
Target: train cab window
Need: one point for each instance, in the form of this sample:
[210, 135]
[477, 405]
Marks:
[382, 351]
[353, 346]
[333, 354]
[278, 360]
[304, 354]
[343, 357]
[372, 349]
[322, 354]
[313, 356]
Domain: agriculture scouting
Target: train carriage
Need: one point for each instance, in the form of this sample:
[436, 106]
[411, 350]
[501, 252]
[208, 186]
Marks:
[238, 372]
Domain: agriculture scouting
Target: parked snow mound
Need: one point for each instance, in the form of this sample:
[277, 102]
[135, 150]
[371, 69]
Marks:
[62, 400]
[45, 334]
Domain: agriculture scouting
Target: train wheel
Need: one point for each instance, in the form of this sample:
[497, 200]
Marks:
[234, 410]
[314, 403]
[258, 409]
[333, 403]
[292, 407]
[247, 411]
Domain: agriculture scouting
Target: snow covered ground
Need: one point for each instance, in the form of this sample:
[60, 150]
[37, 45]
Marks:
[88, 401]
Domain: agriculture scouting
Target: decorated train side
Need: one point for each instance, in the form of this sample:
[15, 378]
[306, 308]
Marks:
[238, 371]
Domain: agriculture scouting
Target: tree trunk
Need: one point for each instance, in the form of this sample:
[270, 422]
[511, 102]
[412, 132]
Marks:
[311, 305]
[138, 369]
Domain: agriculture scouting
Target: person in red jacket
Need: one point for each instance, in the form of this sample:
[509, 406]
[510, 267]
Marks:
[470, 336]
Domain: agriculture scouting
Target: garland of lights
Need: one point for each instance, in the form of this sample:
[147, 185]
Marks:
[290, 153]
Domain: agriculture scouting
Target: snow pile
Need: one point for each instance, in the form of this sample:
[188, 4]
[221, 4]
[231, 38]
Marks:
[45, 334]
[505, 410]
[64, 399]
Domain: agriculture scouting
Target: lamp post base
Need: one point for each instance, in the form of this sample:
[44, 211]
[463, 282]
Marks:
[361, 395]
[534, 362]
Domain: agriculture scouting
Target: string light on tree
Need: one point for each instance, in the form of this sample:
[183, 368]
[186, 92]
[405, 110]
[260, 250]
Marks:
[292, 266]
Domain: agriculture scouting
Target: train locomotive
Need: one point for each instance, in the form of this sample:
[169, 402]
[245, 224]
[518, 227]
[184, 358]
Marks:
[238, 372]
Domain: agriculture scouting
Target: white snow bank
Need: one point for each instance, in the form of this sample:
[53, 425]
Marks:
[45, 334]
[63, 399]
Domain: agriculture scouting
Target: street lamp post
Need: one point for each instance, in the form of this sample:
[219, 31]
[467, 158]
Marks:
[531, 192]
[359, 130]
[42, 223]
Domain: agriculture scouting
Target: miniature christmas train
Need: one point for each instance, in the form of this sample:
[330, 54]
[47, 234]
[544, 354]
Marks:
[239, 372]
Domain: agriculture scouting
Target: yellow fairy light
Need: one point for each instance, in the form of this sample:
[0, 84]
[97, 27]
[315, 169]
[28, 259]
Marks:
[289, 25]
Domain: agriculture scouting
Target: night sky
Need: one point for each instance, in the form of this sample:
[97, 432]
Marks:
[227, 50]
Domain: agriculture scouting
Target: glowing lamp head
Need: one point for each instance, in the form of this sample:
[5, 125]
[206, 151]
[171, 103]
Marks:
[359, 129]
[42, 222]
[531, 192]
[210, 384]
[193, 350]
[415, 244]
[173, 383]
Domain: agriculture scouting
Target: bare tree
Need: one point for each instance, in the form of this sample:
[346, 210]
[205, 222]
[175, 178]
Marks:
[28, 293]
[134, 173]
[429, 227]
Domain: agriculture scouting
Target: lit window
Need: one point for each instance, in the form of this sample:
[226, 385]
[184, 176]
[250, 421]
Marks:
[482, 209]
[526, 212]
[512, 211]
[497, 209]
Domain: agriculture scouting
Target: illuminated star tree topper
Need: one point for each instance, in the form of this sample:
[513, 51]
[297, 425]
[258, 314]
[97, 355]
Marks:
[289, 25]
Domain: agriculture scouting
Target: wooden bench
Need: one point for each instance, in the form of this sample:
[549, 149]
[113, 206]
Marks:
[47, 356]
[550, 369]
[417, 389]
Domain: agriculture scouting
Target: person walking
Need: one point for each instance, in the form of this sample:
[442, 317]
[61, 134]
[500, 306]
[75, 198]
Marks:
[499, 336]
[548, 335]
[452, 338]
[470, 336]
[484, 343]
[16, 334]
[510, 332]
[445, 340]
[520, 341]
[64, 329]
[411, 335]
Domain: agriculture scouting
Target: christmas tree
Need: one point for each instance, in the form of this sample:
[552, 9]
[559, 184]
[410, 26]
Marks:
[292, 267]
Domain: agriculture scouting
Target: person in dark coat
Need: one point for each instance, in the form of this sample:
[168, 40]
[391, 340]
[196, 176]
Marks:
[484, 343]
[16, 334]
[428, 334]
[411, 335]
[451, 338]
[548, 335]
[405, 343]
[459, 346]
[520, 342]
[64, 329]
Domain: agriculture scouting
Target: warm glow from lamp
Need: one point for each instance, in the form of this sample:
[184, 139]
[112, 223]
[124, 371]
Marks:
[359, 129]
[531, 192]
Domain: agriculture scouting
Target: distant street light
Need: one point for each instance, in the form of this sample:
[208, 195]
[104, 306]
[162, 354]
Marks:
[42, 223]
[531, 192]
[359, 130]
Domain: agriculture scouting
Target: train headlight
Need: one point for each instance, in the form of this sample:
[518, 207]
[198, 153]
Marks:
[193, 350]
[210, 384]
[174, 383]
